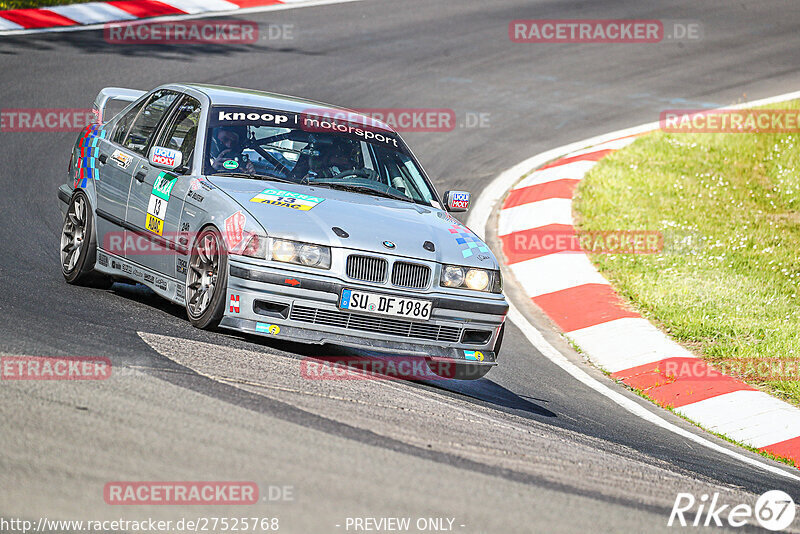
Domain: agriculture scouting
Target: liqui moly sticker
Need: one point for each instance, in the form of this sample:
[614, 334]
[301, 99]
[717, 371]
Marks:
[459, 200]
[234, 230]
[166, 156]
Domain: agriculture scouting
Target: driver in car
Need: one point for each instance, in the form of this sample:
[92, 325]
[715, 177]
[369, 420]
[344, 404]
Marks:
[343, 155]
[226, 145]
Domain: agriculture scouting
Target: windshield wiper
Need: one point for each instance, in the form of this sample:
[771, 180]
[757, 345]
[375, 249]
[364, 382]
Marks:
[253, 176]
[360, 189]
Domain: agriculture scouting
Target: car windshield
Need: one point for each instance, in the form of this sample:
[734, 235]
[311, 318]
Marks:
[308, 149]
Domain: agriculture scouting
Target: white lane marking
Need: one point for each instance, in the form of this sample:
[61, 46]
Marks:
[92, 13]
[752, 417]
[569, 171]
[292, 4]
[478, 220]
[616, 144]
[534, 215]
[625, 343]
[554, 272]
[200, 6]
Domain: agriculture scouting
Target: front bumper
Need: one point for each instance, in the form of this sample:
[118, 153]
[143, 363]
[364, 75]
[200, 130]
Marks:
[303, 307]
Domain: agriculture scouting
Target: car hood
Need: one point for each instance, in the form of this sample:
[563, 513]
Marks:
[368, 220]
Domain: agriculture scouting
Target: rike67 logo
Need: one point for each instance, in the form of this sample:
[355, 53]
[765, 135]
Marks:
[774, 510]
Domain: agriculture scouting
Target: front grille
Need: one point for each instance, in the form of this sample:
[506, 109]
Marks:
[379, 325]
[366, 268]
[412, 275]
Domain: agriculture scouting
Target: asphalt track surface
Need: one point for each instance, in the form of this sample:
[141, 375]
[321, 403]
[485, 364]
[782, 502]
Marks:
[527, 449]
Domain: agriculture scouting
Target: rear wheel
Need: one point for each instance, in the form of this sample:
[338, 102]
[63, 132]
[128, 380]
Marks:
[207, 279]
[79, 245]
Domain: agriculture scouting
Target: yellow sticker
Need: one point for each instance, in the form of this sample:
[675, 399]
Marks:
[154, 224]
[272, 329]
[287, 199]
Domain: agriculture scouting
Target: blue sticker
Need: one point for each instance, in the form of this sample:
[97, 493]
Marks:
[469, 240]
[345, 302]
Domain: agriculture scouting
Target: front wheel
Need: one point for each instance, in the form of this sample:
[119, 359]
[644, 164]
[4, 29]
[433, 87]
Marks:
[207, 279]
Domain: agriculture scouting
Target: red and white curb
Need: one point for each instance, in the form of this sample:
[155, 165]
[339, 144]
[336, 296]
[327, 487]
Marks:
[581, 302]
[94, 14]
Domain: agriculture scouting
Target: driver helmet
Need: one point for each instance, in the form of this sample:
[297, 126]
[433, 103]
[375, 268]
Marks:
[227, 137]
[338, 156]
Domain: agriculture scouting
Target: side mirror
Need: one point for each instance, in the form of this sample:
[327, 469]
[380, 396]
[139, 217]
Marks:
[456, 200]
[165, 158]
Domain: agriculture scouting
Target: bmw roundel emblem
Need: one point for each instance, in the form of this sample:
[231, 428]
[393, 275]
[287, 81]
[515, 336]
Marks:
[389, 244]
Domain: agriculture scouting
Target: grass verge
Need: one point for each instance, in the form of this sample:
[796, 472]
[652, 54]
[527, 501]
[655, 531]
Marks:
[26, 4]
[728, 205]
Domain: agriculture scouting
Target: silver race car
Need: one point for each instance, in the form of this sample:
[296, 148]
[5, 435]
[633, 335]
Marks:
[282, 217]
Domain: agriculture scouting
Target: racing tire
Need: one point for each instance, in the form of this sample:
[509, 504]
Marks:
[78, 250]
[457, 371]
[207, 279]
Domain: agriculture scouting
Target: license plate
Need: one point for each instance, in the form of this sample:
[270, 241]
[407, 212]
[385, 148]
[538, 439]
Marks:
[385, 305]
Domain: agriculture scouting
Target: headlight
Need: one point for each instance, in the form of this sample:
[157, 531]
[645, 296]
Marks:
[477, 279]
[453, 276]
[306, 254]
[283, 250]
[471, 278]
[310, 255]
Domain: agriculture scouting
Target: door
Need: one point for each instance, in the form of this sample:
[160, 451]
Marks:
[156, 199]
[114, 165]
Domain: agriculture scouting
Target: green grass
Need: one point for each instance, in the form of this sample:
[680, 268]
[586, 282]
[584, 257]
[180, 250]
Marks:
[726, 284]
[24, 4]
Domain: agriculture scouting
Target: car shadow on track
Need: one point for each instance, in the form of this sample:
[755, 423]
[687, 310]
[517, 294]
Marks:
[335, 362]
[381, 366]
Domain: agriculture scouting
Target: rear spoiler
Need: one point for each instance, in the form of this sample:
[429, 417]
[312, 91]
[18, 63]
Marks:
[113, 93]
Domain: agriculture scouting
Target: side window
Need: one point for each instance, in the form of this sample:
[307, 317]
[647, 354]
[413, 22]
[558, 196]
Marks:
[124, 123]
[146, 122]
[181, 131]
